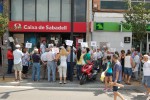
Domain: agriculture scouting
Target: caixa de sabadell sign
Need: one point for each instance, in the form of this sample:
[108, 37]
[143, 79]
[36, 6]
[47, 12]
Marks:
[39, 27]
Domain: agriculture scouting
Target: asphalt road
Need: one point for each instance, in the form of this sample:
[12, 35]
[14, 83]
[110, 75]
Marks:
[63, 93]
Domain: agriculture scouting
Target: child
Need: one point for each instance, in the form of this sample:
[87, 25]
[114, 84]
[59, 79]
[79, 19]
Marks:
[108, 74]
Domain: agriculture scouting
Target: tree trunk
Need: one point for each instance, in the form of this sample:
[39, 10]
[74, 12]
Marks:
[140, 46]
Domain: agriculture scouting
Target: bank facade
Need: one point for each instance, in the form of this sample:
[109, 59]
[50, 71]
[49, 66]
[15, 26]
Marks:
[37, 20]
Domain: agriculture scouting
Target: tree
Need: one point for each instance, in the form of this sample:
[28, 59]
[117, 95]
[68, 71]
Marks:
[3, 24]
[137, 17]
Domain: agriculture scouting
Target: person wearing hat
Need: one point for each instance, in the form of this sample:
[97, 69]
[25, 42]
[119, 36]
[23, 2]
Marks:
[18, 54]
[10, 58]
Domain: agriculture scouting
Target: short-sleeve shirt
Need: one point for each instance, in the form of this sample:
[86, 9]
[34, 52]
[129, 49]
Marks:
[117, 68]
[17, 56]
[87, 56]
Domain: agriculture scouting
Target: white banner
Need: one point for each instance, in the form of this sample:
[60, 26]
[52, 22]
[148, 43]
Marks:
[80, 40]
[28, 45]
[56, 50]
[93, 43]
[69, 42]
[11, 39]
[84, 44]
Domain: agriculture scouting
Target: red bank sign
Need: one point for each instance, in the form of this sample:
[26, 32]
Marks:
[23, 26]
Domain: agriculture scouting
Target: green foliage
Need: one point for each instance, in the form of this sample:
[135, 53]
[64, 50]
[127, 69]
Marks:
[137, 17]
[3, 24]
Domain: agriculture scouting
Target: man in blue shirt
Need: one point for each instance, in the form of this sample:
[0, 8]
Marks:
[117, 77]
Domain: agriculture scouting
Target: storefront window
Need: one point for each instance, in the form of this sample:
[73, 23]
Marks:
[66, 10]
[54, 10]
[29, 10]
[42, 10]
[80, 11]
[16, 10]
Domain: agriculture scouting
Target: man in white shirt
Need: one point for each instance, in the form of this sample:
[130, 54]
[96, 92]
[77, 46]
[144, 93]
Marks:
[146, 74]
[18, 62]
[43, 46]
[137, 64]
[51, 65]
[44, 63]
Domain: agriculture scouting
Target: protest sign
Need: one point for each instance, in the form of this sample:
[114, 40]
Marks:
[28, 45]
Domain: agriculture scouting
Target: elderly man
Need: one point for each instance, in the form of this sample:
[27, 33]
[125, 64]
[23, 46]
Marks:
[44, 63]
[146, 74]
[18, 62]
[51, 66]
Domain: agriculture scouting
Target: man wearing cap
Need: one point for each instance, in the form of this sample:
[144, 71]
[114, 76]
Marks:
[10, 58]
[18, 62]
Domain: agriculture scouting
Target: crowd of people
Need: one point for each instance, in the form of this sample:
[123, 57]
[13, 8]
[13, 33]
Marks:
[117, 66]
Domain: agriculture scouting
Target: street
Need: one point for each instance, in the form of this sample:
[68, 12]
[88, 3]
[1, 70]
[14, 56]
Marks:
[70, 91]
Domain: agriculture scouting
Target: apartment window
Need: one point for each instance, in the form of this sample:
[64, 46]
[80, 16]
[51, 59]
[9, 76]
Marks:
[80, 11]
[113, 4]
[42, 10]
[29, 10]
[54, 10]
[16, 10]
[66, 10]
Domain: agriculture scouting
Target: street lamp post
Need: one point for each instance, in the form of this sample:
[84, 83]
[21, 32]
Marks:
[71, 37]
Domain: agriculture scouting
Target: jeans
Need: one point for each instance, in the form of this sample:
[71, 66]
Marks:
[69, 71]
[51, 66]
[10, 66]
[78, 71]
[36, 70]
[136, 75]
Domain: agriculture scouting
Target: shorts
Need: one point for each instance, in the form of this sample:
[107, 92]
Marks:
[115, 88]
[146, 81]
[128, 71]
[18, 67]
[108, 74]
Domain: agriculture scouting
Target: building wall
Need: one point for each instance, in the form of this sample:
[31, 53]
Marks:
[115, 39]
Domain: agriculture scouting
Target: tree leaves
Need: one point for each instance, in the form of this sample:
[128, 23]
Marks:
[137, 16]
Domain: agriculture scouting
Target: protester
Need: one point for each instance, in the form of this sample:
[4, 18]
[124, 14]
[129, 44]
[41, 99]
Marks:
[146, 74]
[108, 74]
[117, 77]
[51, 67]
[128, 67]
[122, 60]
[43, 46]
[133, 52]
[63, 65]
[99, 58]
[79, 63]
[10, 58]
[36, 66]
[87, 56]
[25, 62]
[94, 57]
[44, 63]
[69, 68]
[18, 63]
[137, 64]
[105, 59]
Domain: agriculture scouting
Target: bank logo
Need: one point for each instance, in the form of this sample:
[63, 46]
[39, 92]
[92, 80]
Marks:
[99, 26]
[17, 26]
